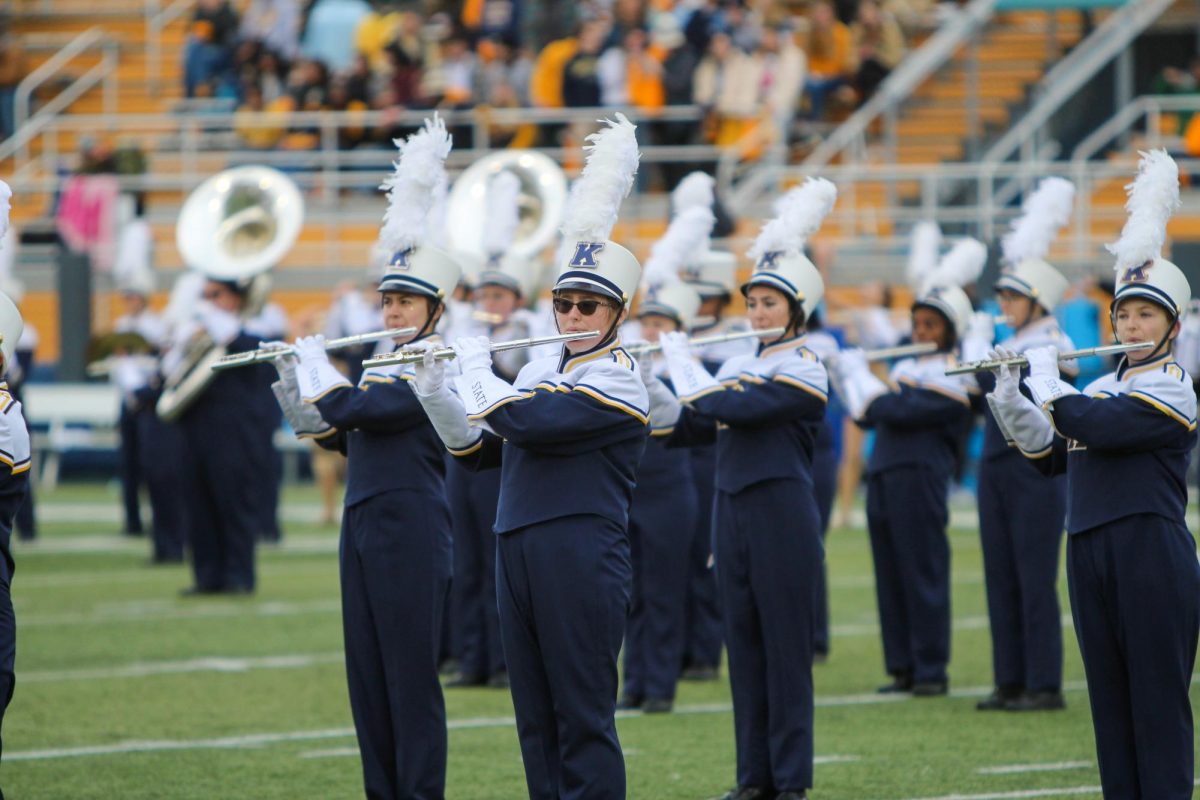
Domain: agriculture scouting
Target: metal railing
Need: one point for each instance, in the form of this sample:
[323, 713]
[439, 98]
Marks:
[27, 126]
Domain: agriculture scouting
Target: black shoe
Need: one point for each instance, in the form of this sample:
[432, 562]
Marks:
[999, 699]
[498, 681]
[450, 667]
[750, 793]
[237, 591]
[699, 672]
[629, 703]
[657, 705]
[899, 685]
[930, 688]
[1037, 701]
[461, 681]
[156, 561]
[133, 532]
[200, 591]
[792, 796]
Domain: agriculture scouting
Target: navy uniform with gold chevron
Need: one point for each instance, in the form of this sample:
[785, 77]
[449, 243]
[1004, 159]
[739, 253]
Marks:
[14, 485]
[1125, 442]
[395, 551]
[917, 421]
[662, 527]
[764, 410]
[567, 435]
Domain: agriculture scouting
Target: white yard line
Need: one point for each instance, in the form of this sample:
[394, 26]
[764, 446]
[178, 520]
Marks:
[1062, 791]
[221, 664]
[116, 543]
[157, 574]
[1020, 769]
[153, 611]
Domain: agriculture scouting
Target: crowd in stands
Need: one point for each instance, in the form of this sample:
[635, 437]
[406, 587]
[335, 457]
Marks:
[759, 69]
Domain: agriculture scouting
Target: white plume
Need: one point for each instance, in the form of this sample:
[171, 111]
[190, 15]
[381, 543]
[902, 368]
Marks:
[696, 189]
[685, 238]
[1153, 197]
[607, 177]
[1044, 212]
[924, 249]
[412, 188]
[5, 207]
[961, 266]
[503, 213]
[435, 221]
[798, 215]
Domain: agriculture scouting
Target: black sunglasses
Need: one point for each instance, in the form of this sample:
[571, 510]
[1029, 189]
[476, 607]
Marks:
[586, 307]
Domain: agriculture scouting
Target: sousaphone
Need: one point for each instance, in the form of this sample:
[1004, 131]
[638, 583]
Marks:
[235, 226]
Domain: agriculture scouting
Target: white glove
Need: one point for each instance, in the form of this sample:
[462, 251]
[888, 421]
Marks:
[674, 345]
[311, 349]
[222, 326]
[286, 362]
[1044, 383]
[430, 373]
[855, 383]
[1008, 378]
[1043, 361]
[128, 375]
[305, 419]
[850, 361]
[664, 406]
[473, 353]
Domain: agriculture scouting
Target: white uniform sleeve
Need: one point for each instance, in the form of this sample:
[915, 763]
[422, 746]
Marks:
[14, 435]
[1169, 390]
[616, 383]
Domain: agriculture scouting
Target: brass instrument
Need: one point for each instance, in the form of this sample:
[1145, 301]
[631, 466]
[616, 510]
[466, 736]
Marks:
[411, 356]
[1070, 355]
[235, 226]
[264, 354]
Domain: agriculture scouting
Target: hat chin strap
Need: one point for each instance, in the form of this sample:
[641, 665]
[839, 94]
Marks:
[427, 328]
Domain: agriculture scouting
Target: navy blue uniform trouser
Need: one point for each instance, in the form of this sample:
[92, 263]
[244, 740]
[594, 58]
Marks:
[563, 588]
[662, 524]
[1135, 598]
[8, 647]
[906, 518]
[395, 563]
[161, 445]
[824, 477]
[702, 640]
[768, 554]
[473, 496]
[1021, 515]
[130, 467]
[222, 509]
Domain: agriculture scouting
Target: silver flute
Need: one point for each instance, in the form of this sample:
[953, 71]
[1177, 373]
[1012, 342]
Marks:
[903, 351]
[271, 353]
[701, 341]
[411, 356]
[1070, 355]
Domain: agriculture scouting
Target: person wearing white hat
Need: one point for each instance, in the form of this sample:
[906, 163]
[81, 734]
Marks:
[1125, 442]
[661, 527]
[567, 435]
[764, 410]
[1021, 512]
[395, 557]
[14, 475]
[917, 416]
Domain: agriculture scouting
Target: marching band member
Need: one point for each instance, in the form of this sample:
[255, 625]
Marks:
[395, 550]
[567, 435]
[1021, 513]
[20, 365]
[501, 291]
[662, 523]
[764, 410]
[713, 274]
[270, 324]
[1125, 442]
[14, 476]
[917, 425]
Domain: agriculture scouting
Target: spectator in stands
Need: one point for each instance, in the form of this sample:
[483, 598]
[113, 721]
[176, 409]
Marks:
[208, 50]
[275, 23]
[580, 80]
[361, 82]
[502, 62]
[340, 99]
[784, 68]
[549, 72]
[272, 76]
[700, 24]
[729, 85]
[458, 70]
[491, 19]
[376, 31]
[1173, 80]
[12, 70]
[831, 60]
[254, 132]
[329, 35]
[508, 134]
[409, 56]
[879, 43]
[679, 63]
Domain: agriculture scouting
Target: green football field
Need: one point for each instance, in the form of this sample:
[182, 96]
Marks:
[125, 690]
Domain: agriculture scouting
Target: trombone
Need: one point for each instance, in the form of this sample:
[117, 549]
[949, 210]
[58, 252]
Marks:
[1070, 355]
[271, 353]
[411, 356]
[701, 341]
